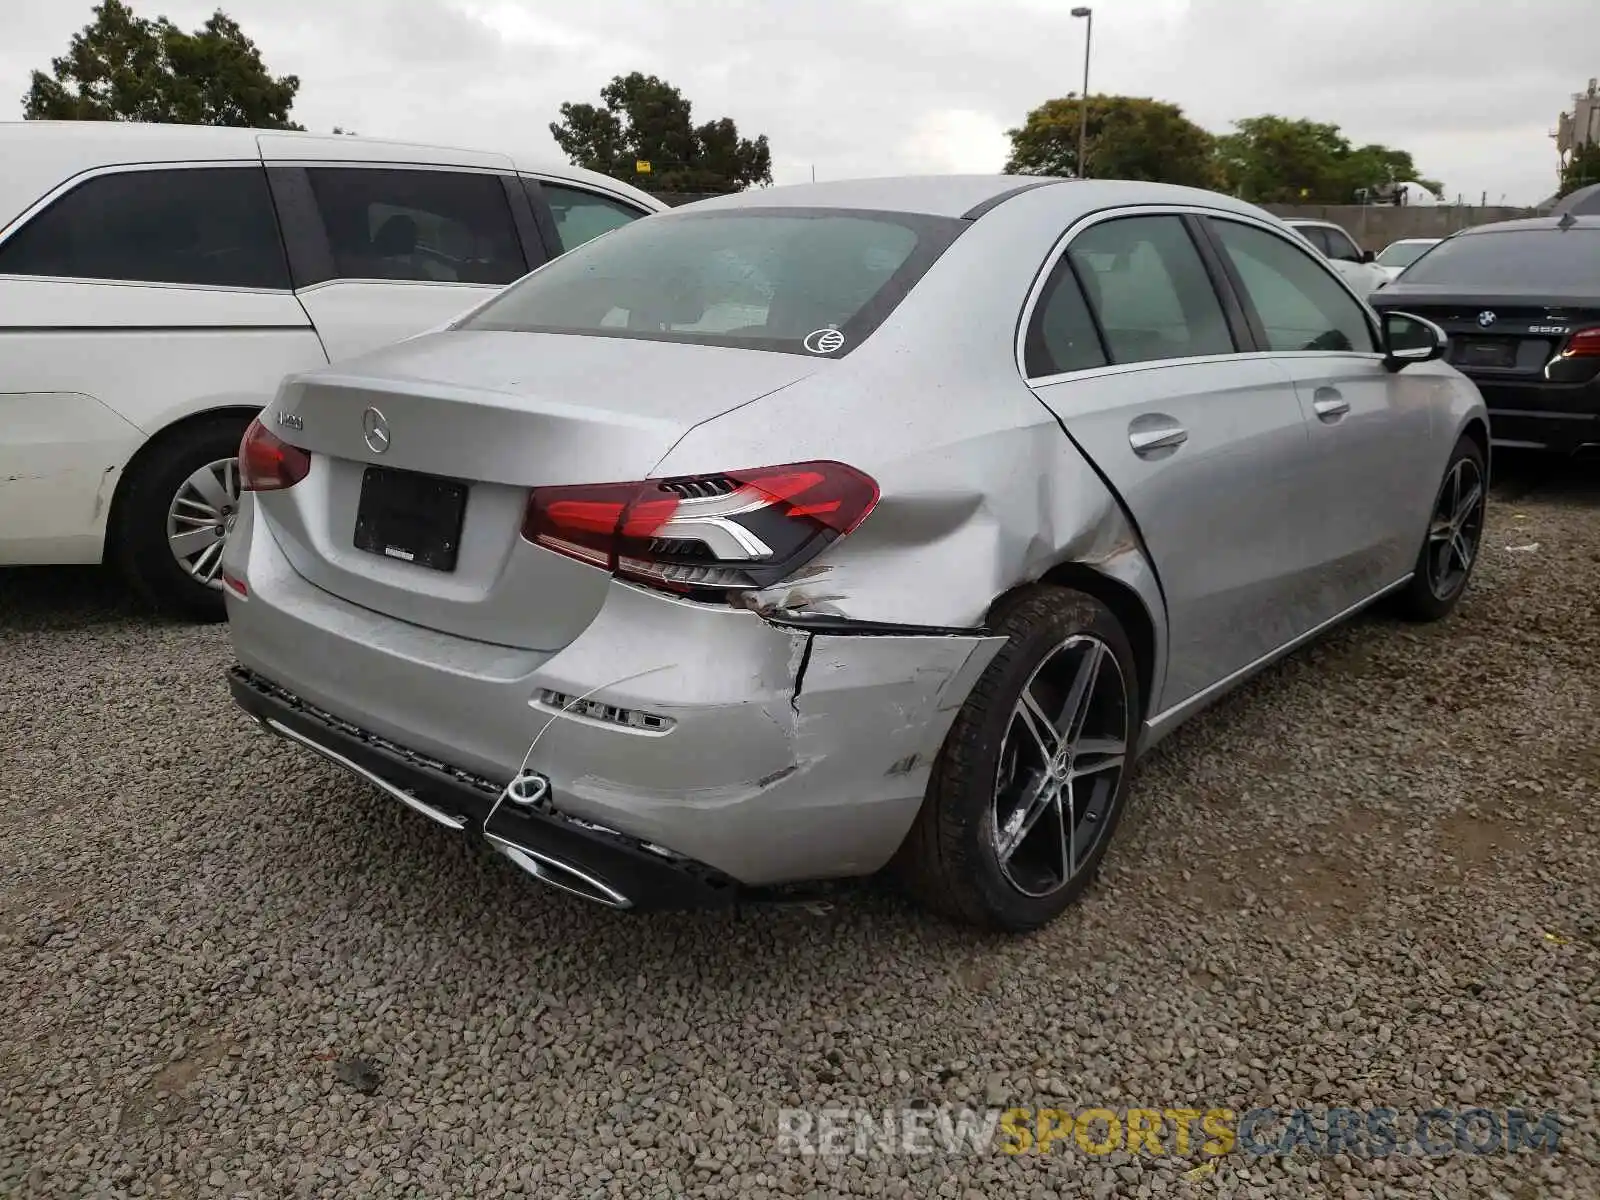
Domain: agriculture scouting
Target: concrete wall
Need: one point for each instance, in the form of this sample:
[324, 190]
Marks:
[1374, 226]
[676, 198]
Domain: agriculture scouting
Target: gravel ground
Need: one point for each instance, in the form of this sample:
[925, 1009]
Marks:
[1370, 878]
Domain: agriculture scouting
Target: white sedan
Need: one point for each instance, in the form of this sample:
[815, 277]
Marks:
[1399, 255]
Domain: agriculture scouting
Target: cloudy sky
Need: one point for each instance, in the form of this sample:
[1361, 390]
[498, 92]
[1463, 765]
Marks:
[875, 87]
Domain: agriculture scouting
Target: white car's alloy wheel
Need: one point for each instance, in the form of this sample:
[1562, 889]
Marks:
[200, 517]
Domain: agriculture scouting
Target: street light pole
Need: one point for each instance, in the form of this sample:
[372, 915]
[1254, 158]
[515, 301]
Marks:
[1083, 100]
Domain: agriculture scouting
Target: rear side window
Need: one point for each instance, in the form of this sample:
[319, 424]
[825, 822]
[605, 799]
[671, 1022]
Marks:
[203, 226]
[427, 226]
[805, 281]
[1316, 235]
[1300, 304]
[1340, 246]
[582, 216]
[1062, 337]
[1149, 289]
[1552, 259]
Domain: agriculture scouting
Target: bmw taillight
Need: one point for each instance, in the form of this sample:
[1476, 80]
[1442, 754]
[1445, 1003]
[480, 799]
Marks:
[1585, 343]
[722, 532]
[267, 463]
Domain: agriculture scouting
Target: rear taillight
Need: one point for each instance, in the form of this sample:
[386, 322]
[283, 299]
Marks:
[737, 529]
[268, 463]
[1585, 343]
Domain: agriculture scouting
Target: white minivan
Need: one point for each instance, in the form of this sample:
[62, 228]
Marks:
[158, 281]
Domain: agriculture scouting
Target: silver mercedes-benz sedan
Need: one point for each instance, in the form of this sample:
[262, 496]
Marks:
[816, 530]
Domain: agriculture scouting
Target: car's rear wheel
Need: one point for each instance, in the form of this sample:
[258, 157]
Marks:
[179, 502]
[1455, 537]
[1031, 780]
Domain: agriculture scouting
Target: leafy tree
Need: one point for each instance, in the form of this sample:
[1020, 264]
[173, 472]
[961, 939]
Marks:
[1582, 169]
[122, 67]
[645, 118]
[1281, 160]
[1129, 137]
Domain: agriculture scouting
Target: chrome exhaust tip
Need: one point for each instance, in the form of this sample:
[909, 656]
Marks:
[530, 791]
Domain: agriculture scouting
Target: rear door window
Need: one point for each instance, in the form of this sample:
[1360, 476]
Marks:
[1061, 335]
[202, 226]
[424, 226]
[582, 216]
[1150, 290]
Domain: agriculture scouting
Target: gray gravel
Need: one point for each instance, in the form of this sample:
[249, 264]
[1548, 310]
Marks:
[1371, 878]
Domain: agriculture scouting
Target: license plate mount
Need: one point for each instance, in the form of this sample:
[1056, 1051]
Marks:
[411, 517]
[1487, 352]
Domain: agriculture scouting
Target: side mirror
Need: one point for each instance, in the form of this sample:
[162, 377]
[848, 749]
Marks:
[1411, 339]
[1368, 256]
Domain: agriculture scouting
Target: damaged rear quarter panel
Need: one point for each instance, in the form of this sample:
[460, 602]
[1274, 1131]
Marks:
[793, 755]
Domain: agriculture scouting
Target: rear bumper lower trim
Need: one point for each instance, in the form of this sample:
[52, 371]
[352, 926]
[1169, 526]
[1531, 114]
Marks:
[576, 856]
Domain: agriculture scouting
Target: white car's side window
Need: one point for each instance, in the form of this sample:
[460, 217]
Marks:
[203, 226]
[1299, 304]
[1340, 246]
[427, 226]
[582, 216]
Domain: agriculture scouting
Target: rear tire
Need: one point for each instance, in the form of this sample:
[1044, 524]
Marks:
[1454, 539]
[171, 491]
[988, 847]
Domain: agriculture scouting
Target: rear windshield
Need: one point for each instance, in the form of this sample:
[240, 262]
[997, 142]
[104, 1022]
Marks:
[806, 281]
[1533, 258]
[1403, 254]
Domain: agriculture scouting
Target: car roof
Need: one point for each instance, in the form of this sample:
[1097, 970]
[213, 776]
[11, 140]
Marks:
[1553, 224]
[39, 155]
[967, 196]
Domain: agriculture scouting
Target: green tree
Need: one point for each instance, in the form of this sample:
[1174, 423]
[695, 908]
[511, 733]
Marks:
[646, 119]
[1129, 137]
[1282, 160]
[123, 67]
[1582, 169]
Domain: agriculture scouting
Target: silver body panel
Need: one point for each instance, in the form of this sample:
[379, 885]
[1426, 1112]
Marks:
[786, 753]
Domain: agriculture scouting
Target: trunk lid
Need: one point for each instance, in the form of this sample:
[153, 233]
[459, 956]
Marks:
[487, 415]
[1496, 333]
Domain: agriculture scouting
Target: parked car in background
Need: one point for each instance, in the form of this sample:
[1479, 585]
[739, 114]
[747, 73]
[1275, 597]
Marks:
[158, 281]
[1398, 255]
[1354, 264]
[1521, 303]
[798, 532]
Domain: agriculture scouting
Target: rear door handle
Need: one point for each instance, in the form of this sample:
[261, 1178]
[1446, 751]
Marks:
[1147, 441]
[1329, 404]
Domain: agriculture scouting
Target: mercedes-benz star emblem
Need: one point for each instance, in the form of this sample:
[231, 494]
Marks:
[375, 429]
[1486, 318]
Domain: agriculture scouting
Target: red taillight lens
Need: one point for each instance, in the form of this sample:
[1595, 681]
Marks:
[268, 463]
[1583, 344]
[738, 529]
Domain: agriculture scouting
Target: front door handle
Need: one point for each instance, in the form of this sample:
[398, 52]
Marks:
[1148, 441]
[1329, 404]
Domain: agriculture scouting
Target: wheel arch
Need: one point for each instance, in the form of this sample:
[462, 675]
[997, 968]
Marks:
[150, 445]
[1125, 602]
[1477, 429]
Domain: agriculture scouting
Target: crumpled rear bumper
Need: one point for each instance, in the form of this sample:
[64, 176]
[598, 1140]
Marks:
[766, 755]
